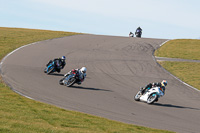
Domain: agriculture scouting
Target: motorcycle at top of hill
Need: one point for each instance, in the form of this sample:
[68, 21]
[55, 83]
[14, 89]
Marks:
[138, 33]
[149, 96]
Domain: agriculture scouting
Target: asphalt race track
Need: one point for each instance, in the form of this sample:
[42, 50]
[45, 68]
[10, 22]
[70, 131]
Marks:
[117, 68]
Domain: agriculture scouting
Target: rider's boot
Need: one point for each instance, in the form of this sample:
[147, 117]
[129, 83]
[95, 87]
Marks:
[79, 82]
[59, 71]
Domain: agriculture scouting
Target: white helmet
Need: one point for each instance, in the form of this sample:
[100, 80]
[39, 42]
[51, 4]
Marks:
[63, 58]
[83, 69]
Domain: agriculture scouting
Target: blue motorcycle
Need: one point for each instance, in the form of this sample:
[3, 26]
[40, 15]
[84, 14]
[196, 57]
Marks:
[52, 67]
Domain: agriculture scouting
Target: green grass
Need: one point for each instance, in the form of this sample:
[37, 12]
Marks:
[12, 38]
[183, 49]
[180, 48]
[188, 72]
[21, 115]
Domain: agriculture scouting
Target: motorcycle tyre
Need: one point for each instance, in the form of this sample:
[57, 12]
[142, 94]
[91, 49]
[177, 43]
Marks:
[155, 98]
[61, 81]
[71, 83]
[137, 96]
[51, 70]
[139, 36]
[45, 70]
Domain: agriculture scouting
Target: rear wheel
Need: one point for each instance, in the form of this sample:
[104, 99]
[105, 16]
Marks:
[152, 98]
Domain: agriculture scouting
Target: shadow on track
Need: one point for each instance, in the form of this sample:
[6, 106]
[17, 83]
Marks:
[88, 88]
[56, 74]
[174, 106]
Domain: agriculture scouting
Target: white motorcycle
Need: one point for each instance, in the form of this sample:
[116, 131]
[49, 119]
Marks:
[150, 96]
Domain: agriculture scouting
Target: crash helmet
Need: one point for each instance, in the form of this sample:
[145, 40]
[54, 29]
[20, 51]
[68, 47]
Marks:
[83, 70]
[164, 83]
[63, 58]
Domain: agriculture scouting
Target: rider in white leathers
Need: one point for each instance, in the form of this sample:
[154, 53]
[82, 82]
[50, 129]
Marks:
[81, 74]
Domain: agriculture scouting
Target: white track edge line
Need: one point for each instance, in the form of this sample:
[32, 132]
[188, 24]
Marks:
[4, 60]
[172, 74]
[15, 51]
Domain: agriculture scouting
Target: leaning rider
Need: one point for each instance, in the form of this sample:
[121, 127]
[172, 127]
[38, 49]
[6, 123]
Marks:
[162, 85]
[81, 74]
[61, 62]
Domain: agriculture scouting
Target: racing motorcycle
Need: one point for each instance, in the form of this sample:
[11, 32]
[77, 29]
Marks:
[70, 79]
[52, 67]
[149, 96]
[138, 33]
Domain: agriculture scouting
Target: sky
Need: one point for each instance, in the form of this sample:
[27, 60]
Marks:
[163, 19]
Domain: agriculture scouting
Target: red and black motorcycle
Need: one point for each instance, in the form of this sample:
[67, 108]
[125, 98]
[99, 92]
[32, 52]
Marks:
[70, 79]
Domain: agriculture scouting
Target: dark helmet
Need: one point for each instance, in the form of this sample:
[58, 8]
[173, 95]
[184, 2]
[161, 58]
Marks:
[164, 83]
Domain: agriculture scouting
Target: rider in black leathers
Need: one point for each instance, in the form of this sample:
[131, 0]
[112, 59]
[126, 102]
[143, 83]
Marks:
[162, 85]
[138, 30]
[61, 62]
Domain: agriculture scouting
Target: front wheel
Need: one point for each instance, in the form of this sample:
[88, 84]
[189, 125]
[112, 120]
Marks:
[71, 81]
[61, 81]
[50, 70]
[45, 70]
[152, 98]
[137, 96]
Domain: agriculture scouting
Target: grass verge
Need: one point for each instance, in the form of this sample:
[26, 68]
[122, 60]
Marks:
[184, 49]
[180, 48]
[185, 71]
[21, 115]
[12, 38]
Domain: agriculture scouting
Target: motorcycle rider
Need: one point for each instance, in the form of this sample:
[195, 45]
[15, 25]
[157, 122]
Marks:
[138, 30]
[81, 74]
[61, 62]
[162, 85]
[131, 34]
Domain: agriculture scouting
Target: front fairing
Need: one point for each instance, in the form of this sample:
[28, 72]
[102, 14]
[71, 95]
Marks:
[50, 66]
[155, 90]
[71, 75]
